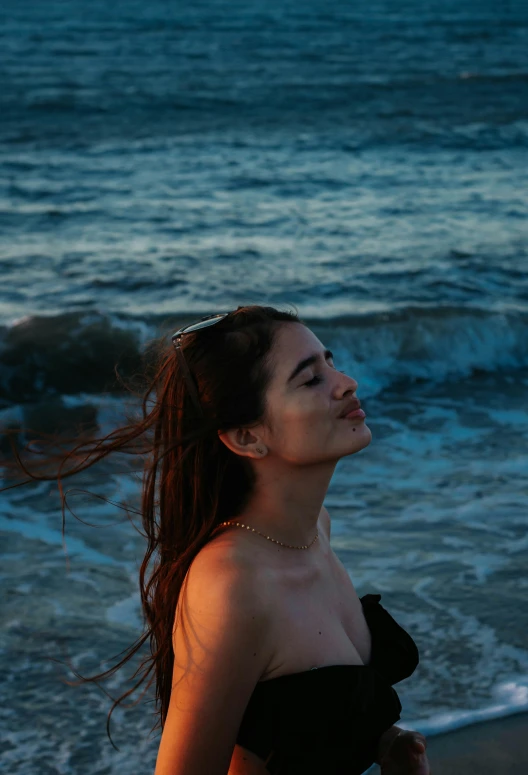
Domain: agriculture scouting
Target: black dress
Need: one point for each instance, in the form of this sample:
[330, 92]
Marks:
[328, 720]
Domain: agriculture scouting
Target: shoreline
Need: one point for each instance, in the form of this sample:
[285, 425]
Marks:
[494, 747]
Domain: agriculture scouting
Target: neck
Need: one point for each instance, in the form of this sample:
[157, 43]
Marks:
[286, 506]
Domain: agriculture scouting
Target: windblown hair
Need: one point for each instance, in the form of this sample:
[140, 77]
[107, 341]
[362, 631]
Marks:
[191, 480]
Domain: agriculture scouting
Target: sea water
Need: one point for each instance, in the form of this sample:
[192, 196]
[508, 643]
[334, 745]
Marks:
[365, 162]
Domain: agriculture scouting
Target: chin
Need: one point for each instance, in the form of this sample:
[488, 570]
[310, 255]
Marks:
[362, 434]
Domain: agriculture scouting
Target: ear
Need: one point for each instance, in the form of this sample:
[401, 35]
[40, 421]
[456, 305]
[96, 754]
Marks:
[241, 441]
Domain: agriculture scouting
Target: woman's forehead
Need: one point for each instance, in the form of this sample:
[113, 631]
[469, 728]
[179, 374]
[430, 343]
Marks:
[297, 340]
[292, 347]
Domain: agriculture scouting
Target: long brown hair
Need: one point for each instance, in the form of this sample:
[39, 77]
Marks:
[191, 480]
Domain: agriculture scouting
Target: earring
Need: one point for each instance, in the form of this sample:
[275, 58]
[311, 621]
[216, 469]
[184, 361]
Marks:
[260, 451]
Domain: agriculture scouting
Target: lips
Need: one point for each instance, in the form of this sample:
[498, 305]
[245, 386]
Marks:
[356, 413]
[350, 407]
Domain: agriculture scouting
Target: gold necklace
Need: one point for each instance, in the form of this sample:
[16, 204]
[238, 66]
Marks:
[248, 527]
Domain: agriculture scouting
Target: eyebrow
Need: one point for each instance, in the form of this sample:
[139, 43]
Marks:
[308, 362]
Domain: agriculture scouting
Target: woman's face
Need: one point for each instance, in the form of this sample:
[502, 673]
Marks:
[304, 406]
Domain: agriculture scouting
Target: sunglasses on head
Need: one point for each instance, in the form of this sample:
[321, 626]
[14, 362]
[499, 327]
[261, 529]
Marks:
[205, 322]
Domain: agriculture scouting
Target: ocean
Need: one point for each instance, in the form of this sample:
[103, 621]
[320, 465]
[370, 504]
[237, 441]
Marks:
[365, 162]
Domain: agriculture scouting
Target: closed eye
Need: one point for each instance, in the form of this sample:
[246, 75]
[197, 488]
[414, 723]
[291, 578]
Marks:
[317, 379]
[314, 381]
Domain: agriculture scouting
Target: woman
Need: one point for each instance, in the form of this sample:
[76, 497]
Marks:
[247, 597]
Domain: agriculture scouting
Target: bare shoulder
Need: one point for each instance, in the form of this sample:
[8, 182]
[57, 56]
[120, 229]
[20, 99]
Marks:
[225, 574]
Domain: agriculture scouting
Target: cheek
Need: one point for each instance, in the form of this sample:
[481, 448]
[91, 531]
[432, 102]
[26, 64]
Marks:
[296, 414]
[302, 410]
[307, 410]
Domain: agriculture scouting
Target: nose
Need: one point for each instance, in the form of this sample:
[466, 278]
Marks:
[347, 386]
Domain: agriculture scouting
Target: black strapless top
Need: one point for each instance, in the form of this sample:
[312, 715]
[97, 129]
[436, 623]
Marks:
[328, 720]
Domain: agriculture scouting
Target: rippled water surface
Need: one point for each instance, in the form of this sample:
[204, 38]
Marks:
[365, 163]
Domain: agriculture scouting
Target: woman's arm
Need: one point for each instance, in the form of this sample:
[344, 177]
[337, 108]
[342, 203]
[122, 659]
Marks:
[221, 651]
